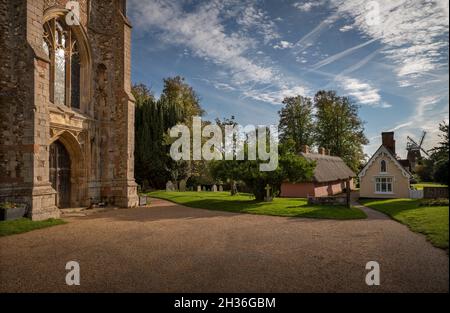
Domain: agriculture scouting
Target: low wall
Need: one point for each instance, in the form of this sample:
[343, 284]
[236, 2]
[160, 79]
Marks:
[435, 192]
[327, 200]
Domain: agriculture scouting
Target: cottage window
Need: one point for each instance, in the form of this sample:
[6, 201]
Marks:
[61, 47]
[383, 166]
[383, 185]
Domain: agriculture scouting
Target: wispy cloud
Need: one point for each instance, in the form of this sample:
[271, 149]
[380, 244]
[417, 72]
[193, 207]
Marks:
[307, 6]
[341, 54]
[253, 18]
[311, 37]
[283, 45]
[400, 126]
[275, 96]
[203, 31]
[414, 33]
[345, 28]
[425, 104]
[363, 92]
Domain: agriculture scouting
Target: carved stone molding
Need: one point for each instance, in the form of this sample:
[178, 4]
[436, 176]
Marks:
[52, 3]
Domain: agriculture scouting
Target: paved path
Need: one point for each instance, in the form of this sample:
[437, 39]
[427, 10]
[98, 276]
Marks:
[172, 248]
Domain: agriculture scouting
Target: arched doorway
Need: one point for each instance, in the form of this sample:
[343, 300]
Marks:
[60, 164]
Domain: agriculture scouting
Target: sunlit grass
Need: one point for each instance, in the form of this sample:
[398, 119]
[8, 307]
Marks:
[431, 221]
[24, 225]
[245, 203]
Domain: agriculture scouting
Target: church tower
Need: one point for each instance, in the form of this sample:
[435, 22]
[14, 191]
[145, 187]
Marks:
[66, 108]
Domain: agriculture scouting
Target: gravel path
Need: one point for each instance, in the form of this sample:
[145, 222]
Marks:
[172, 248]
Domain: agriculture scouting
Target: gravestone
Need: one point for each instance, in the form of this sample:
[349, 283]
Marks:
[199, 188]
[204, 188]
[183, 185]
[214, 188]
[142, 200]
[221, 188]
[170, 186]
[268, 198]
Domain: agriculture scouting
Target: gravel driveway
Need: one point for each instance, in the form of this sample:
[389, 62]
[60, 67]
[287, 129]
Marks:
[172, 248]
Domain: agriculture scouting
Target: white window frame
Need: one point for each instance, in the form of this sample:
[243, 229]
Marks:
[386, 178]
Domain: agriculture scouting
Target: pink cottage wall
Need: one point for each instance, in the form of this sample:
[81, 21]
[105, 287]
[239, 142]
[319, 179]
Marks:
[302, 190]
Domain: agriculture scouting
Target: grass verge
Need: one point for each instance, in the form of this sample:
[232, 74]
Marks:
[24, 225]
[245, 203]
[432, 221]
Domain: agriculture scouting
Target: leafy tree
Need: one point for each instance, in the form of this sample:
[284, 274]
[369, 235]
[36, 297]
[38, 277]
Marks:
[150, 156]
[424, 169]
[339, 128]
[291, 167]
[178, 104]
[179, 94]
[439, 156]
[442, 150]
[440, 173]
[435, 168]
[231, 174]
[296, 121]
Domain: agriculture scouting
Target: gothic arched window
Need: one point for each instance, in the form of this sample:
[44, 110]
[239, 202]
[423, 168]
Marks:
[383, 166]
[61, 46]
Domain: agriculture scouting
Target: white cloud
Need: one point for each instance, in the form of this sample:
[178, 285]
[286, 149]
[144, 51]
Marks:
[425, 104]
[363, 92]
[254, 18]
[276, 96]
[414, 33]
[307, 6]
[202, 30]
[224, 86]
[428, 113]
[400, 126]
[346, 28]
[341, 54]
[283, 45]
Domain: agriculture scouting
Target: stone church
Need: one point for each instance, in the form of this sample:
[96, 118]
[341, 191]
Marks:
[66, 108]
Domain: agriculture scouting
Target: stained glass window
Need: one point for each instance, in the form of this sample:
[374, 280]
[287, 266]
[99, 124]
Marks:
[60, 44]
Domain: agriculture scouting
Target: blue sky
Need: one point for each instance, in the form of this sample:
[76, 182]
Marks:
[244, 56]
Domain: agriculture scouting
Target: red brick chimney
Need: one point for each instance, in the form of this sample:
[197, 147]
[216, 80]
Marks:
[305, 149]
[387, 139]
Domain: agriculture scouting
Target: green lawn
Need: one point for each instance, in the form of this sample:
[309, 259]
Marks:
[431, 221]
[420, 185]
[24, 225]
[245, 203]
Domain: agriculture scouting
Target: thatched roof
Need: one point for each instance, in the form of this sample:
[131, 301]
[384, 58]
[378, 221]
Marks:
[329, 168]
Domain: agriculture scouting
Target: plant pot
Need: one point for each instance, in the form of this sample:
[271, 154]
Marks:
[8, 214]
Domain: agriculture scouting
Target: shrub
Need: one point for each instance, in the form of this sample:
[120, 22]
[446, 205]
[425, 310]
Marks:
[7, 205]
[433, 202]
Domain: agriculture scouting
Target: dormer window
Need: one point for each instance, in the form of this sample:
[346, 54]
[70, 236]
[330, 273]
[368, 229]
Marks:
[383, 166]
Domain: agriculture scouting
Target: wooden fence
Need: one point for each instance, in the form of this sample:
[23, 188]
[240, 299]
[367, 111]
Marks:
[435, 192]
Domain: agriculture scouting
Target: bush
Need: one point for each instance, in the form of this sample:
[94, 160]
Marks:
[433, 202]
[7, 205]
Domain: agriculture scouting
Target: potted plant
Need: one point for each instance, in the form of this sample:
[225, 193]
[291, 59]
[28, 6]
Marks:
[11, 211]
